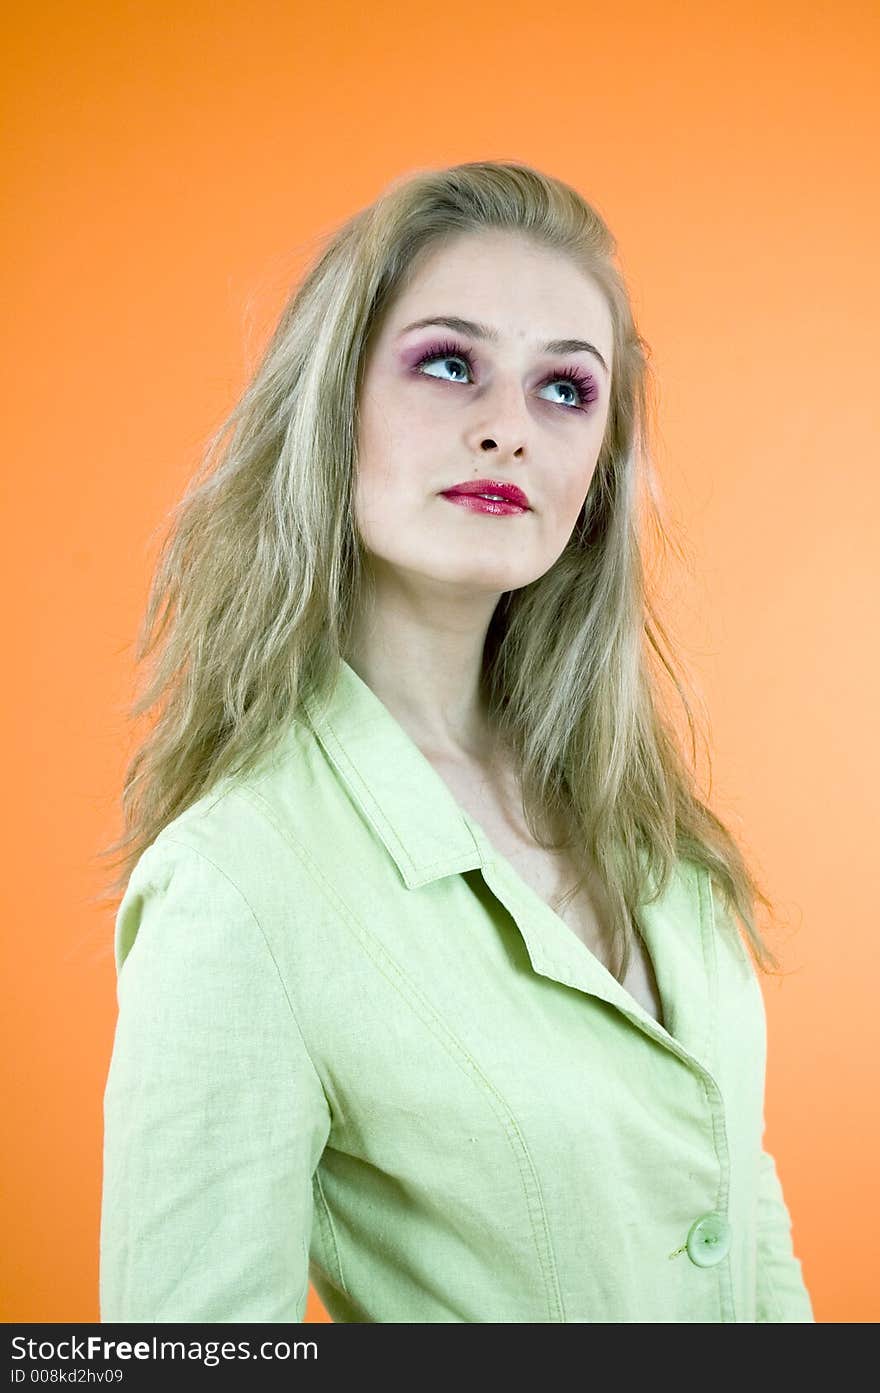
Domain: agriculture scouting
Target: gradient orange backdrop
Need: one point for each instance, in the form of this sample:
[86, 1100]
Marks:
[169, 171]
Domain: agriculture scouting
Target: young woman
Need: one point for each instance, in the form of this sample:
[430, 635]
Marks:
[430, 986]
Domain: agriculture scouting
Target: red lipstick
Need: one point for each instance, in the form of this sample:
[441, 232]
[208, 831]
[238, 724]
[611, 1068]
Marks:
[489, 496]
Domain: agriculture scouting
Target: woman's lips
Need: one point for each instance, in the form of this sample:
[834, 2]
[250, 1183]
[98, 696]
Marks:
[495, 506]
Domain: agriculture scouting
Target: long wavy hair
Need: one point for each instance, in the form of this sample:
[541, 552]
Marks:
[263, 571]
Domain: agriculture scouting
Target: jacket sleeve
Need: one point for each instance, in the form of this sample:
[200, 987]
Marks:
[214, 1116]
[782, 1293]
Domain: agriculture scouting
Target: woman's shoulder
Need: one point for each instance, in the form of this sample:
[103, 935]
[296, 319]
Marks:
[249, 833]
[247, 813]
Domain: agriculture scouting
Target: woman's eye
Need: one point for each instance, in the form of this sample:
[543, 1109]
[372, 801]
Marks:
[444, 359]
[567, 387]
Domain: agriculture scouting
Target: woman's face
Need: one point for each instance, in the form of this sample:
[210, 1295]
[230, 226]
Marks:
[443, 406]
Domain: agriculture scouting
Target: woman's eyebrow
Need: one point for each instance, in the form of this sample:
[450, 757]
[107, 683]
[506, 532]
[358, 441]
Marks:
[483, 331]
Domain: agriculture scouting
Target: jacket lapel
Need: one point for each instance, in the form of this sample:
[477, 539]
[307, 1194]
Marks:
[428, 835]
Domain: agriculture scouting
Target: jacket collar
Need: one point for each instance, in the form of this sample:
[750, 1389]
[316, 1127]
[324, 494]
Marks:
[429, 835]
[424, 829]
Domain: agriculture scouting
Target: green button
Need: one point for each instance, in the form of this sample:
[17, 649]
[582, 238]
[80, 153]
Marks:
[708, 1239]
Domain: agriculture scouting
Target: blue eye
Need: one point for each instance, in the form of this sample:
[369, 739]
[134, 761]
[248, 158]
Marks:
[574, 378]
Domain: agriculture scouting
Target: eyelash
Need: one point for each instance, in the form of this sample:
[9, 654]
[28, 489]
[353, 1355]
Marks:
[585, 384]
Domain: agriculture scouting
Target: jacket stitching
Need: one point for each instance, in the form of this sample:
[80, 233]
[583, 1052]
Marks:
[719, 1128]
[323, 1209]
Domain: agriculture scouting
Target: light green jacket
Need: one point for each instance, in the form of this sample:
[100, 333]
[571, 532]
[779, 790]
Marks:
[354, 1045]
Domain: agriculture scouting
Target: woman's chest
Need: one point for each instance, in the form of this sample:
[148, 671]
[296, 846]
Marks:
[551, 874]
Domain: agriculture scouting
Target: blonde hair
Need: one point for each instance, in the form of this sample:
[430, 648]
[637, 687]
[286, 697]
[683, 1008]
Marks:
[262, 573]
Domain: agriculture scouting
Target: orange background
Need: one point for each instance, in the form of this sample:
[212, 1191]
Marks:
[170, 170]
